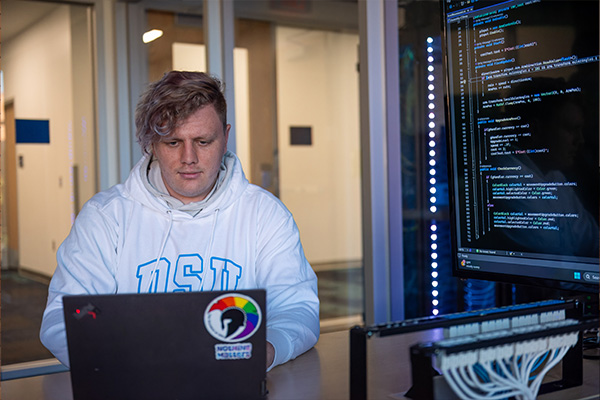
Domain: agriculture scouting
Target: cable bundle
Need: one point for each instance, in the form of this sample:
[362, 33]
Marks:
[503, 371]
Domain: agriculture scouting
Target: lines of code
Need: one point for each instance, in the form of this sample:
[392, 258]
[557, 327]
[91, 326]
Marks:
[523, 80]
[529, 220]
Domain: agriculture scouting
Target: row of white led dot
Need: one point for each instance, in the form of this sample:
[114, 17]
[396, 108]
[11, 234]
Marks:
[432, 181]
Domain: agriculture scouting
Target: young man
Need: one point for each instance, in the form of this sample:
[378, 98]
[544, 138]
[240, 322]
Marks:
[187, 219]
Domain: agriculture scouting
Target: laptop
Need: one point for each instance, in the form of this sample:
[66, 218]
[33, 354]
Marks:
[192, 345]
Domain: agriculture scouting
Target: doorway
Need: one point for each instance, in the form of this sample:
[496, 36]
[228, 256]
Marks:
[48, 81]
[10, 234]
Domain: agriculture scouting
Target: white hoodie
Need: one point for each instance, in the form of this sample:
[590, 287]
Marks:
[243, 238]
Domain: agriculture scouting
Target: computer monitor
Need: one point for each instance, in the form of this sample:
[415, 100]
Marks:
[522, 121]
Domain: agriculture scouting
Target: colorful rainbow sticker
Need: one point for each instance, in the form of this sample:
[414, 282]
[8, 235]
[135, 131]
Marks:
[232, 317]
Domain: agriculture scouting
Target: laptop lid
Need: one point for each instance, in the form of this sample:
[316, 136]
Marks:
[167, 345]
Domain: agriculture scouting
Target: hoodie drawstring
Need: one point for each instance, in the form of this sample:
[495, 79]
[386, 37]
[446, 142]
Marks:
[208, 251]
[162, 249]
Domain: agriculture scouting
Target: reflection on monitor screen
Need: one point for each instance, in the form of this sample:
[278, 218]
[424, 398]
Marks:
[522, 108]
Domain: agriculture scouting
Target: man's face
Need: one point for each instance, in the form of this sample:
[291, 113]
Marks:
[190, 157]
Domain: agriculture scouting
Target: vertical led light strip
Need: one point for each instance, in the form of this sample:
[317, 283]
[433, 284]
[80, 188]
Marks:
[432, 177]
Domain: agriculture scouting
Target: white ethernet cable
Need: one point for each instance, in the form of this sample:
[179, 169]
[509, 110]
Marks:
[504, 371]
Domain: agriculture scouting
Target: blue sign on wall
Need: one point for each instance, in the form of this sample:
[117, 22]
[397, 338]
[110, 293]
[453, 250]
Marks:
[32, 131]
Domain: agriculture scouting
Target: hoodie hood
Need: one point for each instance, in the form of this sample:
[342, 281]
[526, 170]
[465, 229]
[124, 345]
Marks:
[145, 185]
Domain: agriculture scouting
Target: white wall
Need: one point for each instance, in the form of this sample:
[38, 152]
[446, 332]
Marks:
[37, 66]
[317, 86]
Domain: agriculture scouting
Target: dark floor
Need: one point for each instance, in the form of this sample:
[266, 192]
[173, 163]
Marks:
[24, 300]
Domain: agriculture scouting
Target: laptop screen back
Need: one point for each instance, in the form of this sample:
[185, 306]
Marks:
[167, 345]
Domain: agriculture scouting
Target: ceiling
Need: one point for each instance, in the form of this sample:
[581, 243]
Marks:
[17, 15]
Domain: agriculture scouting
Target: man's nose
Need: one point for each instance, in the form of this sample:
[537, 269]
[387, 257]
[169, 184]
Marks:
[189, 155]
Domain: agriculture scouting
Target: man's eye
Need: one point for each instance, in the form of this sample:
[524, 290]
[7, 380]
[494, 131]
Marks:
[171, 144]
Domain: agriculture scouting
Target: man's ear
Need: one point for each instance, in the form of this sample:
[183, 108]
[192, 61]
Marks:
[227, 128]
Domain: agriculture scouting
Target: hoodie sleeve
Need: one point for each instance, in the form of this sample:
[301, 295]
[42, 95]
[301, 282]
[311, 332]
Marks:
[291, 284]
[84, 263]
